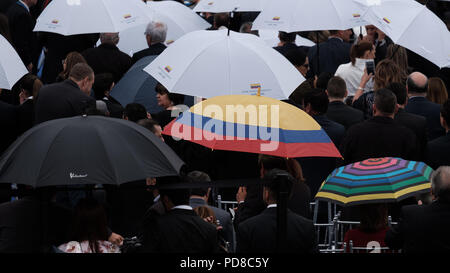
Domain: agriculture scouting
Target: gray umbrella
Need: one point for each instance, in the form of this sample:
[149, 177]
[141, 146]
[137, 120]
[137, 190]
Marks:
[87, 150]
[138, 86]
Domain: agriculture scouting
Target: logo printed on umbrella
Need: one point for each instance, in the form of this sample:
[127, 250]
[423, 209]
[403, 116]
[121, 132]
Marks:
[356, 15]
[386, 20]
[210, 3]
[255, 86]
[73, 175]
[168, 42]
[55, 22]
[276, 18]
[168, 69]
[127, 16]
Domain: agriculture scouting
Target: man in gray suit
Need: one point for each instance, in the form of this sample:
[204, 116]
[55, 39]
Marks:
[199, 197]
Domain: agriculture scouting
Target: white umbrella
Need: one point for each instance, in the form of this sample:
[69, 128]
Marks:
[217, 6]
[309, 15]
[178, 18]
[70, 17]
[11, 66]
[413, 26]
[217, 64]
[271, 38]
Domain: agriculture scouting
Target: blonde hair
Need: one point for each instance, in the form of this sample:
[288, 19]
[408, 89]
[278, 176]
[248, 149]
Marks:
[437, 92]
[399, 55]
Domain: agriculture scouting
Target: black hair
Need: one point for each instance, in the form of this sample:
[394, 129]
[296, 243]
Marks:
[287, 37]
[150, 124]
[198, 176]
[318, 100]
[336, 87]
[135, 112]
[399, 91]
[272, 182]
[385, 101]
[177, 196]
[102, 83]
[322, 80]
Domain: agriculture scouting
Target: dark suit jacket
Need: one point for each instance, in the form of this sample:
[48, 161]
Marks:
[5, 4]
[21, 225]
[284, 49]
[21, 25]
[431, 111]
[341, 113]
[332, 54]
[26, 116]
[58, 46]
[155, 49]
[61, 100]
[107, 58]
[438, 152]
[259, 234]
[333, 129]
[422, 229]
[180, 231]
[379, 137]
[223, 216]
[417, 124]
[8, 125]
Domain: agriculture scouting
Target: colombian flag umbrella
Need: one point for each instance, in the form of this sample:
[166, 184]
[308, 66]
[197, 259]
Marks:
[376, 180]
[253, 124]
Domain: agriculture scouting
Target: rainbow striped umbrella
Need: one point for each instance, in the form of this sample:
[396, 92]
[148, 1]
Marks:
[376, 180]
[253, 124]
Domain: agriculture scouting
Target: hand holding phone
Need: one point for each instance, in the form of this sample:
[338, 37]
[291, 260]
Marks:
[370, 67]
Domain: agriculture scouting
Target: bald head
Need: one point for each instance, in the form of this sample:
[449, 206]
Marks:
[440, 183]
[417, 83]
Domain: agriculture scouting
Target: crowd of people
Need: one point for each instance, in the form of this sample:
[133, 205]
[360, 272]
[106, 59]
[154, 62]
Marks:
[372, 97]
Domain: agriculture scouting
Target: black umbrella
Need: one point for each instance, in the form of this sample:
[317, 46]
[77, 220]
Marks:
[87, 150]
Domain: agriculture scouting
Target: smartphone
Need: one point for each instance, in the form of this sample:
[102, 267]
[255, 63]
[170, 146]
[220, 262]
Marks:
[370, 67]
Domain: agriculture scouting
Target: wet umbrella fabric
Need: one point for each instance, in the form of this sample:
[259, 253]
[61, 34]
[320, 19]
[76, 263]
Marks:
[87, 150]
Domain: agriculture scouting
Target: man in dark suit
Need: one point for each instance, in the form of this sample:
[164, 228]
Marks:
[180, 229]
[438, 150]
[107, 58]
[199, 197]
[417, 85]
[332, 53]
[338, 111]
[259, 233]
[315, 104]
[416, 123]
[68, 98]
[22, 223]
[155, 33]
[380, 136]
[424, 228]
[21, 25]
[287, 42]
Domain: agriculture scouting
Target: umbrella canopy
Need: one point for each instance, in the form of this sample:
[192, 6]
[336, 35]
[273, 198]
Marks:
[271, 38]
[253, 124]
[138, 86]
[307, 15]
[87, 150]
[217, 6]
[70, 17]
[218, 64]
[413, 26]
[12, 68]
[376, 180]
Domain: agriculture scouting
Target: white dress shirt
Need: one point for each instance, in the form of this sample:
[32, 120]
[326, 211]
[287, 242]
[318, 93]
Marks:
[352, 75]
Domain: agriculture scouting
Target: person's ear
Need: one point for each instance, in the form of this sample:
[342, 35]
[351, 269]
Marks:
[374, 109]
[346, 93]
[396, 109]
[261, 171]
